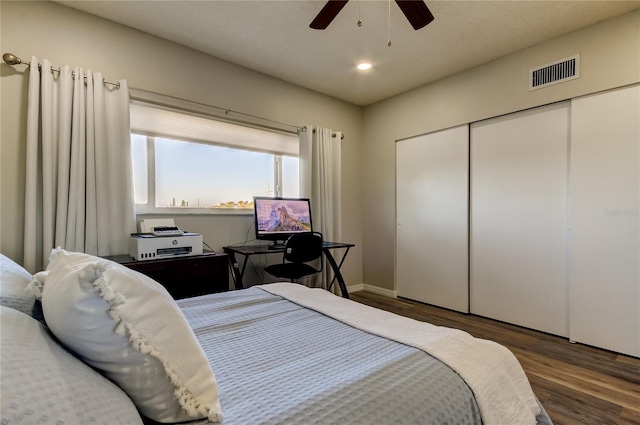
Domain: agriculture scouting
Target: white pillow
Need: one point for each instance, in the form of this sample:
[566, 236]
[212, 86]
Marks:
[127, 326]
[14, 288]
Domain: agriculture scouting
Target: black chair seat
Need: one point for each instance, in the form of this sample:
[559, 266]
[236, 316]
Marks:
[300, 249]
[290, 270]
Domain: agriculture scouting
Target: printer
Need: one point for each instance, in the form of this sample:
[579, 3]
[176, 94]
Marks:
[150, 245]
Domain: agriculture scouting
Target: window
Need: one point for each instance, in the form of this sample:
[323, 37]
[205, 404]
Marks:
[195, 164]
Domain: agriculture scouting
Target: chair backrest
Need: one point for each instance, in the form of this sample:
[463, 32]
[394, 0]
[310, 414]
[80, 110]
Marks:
[303, 247]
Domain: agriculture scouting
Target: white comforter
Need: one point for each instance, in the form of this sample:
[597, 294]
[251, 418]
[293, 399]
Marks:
[501, 388]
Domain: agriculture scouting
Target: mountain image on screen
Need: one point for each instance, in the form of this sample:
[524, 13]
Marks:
[282, 220]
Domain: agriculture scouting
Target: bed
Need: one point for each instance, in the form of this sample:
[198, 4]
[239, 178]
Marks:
[108, 345]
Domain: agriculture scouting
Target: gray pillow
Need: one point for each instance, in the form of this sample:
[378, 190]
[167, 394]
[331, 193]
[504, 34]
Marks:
[44, 383]
[14, 280]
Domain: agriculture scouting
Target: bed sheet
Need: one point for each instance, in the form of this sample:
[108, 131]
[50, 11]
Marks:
[277, 362]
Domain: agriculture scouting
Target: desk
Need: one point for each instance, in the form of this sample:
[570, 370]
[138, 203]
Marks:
[248, 250]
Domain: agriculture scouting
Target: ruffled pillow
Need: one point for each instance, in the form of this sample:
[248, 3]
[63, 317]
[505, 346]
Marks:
[127, 326]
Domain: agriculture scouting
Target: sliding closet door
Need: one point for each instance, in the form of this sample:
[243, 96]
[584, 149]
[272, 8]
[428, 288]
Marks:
[518, 222]
[431, 212]
[605, 220]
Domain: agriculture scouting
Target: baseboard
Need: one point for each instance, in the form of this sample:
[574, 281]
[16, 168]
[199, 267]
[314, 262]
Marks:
[373, 289]
[355, 288]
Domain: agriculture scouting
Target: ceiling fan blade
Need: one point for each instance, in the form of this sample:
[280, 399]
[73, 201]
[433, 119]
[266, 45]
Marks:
[416, 12]
[327, 14]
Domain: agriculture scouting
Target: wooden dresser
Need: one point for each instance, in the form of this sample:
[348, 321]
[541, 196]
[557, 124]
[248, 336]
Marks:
[184, 277]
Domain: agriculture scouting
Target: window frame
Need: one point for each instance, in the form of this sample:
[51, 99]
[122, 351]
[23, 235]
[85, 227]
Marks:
[150, 208]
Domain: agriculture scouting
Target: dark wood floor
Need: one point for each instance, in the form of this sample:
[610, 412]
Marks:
[577, 384]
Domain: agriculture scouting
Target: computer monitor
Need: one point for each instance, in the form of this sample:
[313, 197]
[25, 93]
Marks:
[278, 218]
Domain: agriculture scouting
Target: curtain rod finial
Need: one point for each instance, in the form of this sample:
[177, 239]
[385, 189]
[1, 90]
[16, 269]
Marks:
[11, 59]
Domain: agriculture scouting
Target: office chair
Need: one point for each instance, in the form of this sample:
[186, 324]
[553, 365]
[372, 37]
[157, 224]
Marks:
[300, 249]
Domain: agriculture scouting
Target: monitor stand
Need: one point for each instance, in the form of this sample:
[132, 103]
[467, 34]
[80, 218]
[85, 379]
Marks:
[277, 245]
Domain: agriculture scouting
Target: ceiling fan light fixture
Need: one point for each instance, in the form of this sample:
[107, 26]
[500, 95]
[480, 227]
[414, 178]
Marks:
[364, 66]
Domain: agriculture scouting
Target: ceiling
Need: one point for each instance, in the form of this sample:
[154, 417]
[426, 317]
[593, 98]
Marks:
[274, 38]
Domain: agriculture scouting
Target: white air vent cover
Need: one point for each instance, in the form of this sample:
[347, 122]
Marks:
[554, 73]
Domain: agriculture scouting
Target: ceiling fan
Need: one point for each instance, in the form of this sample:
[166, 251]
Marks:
[416, 11]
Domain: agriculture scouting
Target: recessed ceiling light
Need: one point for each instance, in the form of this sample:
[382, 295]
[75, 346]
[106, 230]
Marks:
[364, 66]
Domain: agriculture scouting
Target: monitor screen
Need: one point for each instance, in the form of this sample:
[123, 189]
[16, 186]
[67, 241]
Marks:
[277, 218]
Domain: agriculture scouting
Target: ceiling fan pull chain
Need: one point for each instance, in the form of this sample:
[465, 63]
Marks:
[359, 20]
[389, 28]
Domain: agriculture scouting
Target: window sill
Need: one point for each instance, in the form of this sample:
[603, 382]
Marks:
[145, 210]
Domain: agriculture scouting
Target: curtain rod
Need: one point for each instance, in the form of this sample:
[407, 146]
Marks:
[226, 111]
[12, 59]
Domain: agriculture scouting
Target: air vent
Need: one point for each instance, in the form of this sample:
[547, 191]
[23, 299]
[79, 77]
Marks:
[554, 73]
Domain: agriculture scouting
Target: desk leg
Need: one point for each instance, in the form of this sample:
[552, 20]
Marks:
[344, 256]
[336, 272]
[237, 273]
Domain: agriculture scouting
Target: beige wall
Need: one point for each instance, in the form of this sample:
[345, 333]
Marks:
[610, 57]
[66, 36]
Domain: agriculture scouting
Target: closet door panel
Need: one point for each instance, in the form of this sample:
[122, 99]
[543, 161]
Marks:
[605, 220]
[518, 221]
[432, 217]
